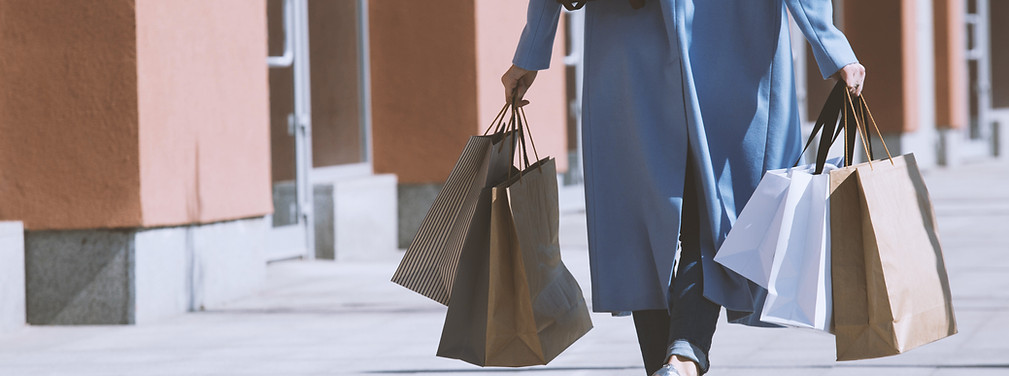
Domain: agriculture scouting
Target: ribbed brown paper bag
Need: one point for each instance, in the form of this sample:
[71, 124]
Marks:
[430, 263]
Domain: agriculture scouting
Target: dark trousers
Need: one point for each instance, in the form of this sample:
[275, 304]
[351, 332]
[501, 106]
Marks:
[691, 317]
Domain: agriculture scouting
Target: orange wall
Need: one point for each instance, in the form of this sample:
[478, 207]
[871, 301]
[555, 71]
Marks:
[123, 113]
[68, 114]
[950, 63]
[435, 75]
[499, 24]
[423, 78]
[883, 37]
[281, 97]
[999, 54]
[204, 110]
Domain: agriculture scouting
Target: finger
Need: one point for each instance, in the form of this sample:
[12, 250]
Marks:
[520, 92]
[861, 81]
[850, 82]
[509, 83]
[523, 103]
[509, 88]
[855, 90]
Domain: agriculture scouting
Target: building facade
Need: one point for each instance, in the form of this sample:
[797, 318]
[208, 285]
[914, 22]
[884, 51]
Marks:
[156, 155]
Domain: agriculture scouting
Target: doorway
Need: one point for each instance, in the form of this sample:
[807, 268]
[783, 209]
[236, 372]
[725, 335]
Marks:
[319, 123]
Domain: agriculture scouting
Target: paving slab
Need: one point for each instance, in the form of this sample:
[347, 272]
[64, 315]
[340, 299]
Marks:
[346, 318]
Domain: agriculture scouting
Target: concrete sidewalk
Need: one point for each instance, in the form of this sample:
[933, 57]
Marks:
[346, 318]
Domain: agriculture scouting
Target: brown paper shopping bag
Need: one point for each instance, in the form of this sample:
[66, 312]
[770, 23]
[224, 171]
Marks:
[430, 263]
[515, 304]
[890, 287]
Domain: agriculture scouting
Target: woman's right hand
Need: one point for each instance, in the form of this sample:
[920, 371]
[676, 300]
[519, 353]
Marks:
[516, 82]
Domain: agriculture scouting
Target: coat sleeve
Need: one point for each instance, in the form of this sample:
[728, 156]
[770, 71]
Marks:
[830, 47]
[536, 44]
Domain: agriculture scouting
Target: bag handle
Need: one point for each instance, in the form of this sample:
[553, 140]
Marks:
[826, 123]
[837, 110]
[865, 106]
[573, 5]
[862, 129]
[518, 126]
[498, 123]
[529, 129]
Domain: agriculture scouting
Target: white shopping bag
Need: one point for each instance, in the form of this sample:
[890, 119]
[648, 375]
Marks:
[798, 288]
[749, 247]
[779, 241]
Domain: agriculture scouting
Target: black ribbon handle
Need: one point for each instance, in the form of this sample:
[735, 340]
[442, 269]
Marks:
[573, 5]
[837, 117]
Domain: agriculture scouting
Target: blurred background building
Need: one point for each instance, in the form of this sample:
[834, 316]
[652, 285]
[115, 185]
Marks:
[155, 155]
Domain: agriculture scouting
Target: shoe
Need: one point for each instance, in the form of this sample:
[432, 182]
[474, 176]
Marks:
[666, 370]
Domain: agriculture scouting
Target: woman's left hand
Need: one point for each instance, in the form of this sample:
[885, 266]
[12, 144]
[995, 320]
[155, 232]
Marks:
[854, 77]
[516, 82]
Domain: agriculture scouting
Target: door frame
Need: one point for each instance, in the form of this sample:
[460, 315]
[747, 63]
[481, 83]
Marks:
[297, 240]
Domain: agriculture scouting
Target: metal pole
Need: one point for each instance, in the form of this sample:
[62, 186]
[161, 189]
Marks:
[576, 59]
[303, 124]
[364, 80]
[287, 58]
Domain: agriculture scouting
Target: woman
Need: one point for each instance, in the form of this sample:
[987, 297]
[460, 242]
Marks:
[685, 105]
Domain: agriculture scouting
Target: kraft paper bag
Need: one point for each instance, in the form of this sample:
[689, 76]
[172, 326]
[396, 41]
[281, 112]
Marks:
[516, 305]
[430, 263]
[890, 287]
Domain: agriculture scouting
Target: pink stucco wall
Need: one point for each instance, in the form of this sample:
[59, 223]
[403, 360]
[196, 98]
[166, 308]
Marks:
[126, 113]
[950, 64]
[203, 110]
[498, 26]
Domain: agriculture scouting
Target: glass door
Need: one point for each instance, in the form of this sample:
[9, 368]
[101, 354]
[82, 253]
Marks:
[290, 130]
[340, 106]
[978, 137]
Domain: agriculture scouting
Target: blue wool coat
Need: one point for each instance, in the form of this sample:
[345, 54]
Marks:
[710, 77]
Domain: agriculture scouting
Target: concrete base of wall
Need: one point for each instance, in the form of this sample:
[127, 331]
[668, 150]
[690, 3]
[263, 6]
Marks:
[1000, 133]
[414, 202]
[12, 276]
[135, 276]
[285, 202]
[324, 211]
[948, 145]
[925, 144]
[955, 147]
[355, 218]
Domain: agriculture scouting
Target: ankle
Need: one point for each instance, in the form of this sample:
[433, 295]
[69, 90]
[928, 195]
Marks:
[685, 366]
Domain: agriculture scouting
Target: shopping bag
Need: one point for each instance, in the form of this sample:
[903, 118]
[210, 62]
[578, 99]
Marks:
[749, 247]
[799, 280]
[430, 263]
[891, 290]
[890, 287]
[515, 304]
[779, 241]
